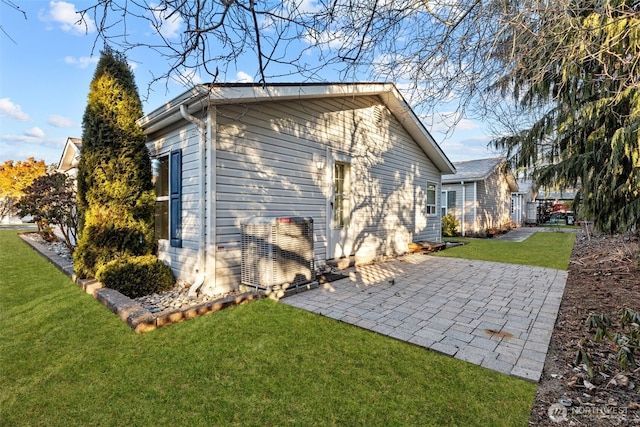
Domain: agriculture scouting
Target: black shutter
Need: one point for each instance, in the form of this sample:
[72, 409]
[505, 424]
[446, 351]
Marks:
[175, 203]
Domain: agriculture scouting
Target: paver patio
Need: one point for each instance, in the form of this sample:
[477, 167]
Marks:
[495, 315]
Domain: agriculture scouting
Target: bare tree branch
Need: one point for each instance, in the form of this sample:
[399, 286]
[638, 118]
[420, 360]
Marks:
[17, 8]
[438, 51]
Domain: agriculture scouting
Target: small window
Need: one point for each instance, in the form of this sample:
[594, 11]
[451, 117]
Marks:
[175, 196]
[451, 199]
[168, 186]
[162, 200]
[341, 209]
[448, 202]
[431, 199]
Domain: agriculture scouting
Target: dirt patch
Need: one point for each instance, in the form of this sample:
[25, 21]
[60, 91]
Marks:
[604, 278]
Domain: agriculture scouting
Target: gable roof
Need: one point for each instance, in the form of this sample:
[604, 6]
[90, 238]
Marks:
[478, 170]
[538, 192]
[70, 154]
[201, 96]
[556, 194]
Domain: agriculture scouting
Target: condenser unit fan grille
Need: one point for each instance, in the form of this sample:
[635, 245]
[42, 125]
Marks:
[277, 251]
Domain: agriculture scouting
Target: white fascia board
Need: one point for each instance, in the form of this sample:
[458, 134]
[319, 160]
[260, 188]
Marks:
[69, 153]
[170, 112]
[201, 96]
[449, 180]
[251, 93]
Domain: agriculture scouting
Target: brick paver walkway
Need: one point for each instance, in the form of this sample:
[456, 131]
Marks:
[495, 315]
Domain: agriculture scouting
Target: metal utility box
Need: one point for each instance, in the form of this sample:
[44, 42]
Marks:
[277, 252]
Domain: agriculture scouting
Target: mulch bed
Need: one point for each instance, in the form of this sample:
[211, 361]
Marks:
[604, 278]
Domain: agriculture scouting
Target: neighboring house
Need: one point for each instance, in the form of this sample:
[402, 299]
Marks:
[354, 157]
[540, 203]
[68, 164]
[479, 194]
[525, 208]
[556, 197]
[70, 157]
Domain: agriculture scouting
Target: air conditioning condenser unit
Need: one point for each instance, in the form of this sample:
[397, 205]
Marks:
[277, 252]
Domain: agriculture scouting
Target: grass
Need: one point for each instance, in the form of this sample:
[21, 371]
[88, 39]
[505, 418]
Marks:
[65, 360]
[547, 249]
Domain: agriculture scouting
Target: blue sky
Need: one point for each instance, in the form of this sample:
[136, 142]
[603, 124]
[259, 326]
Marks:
[47, 63]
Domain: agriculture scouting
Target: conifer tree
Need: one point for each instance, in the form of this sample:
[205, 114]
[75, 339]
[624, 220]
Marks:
[115, 192]
[585, 75]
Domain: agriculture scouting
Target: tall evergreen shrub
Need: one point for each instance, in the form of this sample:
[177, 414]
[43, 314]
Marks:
[115, 193]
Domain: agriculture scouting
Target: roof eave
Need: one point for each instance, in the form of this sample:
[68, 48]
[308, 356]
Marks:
[170, 112]
[482, 177]
[202, 96]
[70, 151]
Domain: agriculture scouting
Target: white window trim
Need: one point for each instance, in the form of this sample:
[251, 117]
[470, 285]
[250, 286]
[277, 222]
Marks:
[435, 197]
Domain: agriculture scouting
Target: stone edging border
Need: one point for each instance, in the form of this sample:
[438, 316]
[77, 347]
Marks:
[137, 317]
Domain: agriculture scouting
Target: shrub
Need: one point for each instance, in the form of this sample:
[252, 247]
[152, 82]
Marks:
[450, 225]
[136, 276]
[116, 201]
[106, 238]
[51, 201]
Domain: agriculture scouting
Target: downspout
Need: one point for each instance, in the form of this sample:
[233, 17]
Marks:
[464, 207]
[462, 227]
[211, 224]
[201, 264]
[475, 206]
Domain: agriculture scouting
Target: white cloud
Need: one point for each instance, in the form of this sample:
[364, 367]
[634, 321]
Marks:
[16, 147]
[86, 61]
[34, 132]
[9, 109]
[308, 6]
[24, 139]
[461, 149]
[466, 124]
[333, 39]
[167, 24]
[449, 121]
[242, 77]
[81, 62]
[59, 121]
[65, 15]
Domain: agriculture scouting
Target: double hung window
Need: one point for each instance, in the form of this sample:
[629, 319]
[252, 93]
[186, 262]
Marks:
[168, 188]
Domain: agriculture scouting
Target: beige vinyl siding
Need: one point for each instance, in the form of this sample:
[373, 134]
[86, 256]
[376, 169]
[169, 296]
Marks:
[471, 207]
[491, 205]
[494, 201]
[464, 209]
[266, 156]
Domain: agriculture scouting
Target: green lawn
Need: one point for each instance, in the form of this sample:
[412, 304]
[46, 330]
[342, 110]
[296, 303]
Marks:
[66, 360]
[547, 249]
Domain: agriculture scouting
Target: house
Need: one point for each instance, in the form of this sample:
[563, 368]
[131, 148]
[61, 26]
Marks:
[479, 194]
[70, 157]
[68, 164]
[353, 157]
